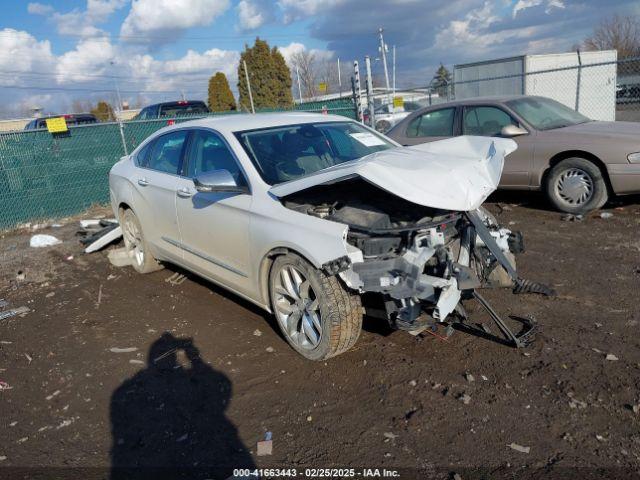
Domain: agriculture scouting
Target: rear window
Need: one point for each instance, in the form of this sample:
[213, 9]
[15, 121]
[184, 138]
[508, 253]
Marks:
[179, 109]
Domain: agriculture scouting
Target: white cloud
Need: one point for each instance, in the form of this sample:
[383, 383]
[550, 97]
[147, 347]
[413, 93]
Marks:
[80, 22]
[36, 8]
[22, 52]
[469, 31]
[521, 5]
[298, 9]
[294, 47]
[253, 14]
[91, 57]
[166, 19]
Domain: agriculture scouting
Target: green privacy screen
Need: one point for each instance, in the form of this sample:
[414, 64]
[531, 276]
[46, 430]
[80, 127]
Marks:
[43, 176]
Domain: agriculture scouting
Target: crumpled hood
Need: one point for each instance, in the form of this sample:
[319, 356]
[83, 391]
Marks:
[453, 174]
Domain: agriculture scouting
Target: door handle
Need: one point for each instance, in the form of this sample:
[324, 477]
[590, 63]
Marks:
[184, 193]
[143, 182]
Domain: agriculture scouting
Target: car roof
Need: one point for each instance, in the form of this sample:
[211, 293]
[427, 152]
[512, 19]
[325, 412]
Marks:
[247, 121]
[176, 102]
[477, 100]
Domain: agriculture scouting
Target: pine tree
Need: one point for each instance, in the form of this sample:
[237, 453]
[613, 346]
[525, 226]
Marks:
[103, 112]
[220, 96]
[441, 80]
[269, 77]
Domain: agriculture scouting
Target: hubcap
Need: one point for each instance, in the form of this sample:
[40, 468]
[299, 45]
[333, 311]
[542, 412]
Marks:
[133, 240]
[297, 308]
[575, 186]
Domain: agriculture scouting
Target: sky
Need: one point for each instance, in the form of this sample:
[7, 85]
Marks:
[54, 52]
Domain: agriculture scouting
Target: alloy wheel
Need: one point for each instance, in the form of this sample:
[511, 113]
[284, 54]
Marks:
[297, 307]
[133, 239]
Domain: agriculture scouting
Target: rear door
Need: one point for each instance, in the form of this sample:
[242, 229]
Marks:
[488, 121]
[156, 177]
[214, 226]
[430, 126]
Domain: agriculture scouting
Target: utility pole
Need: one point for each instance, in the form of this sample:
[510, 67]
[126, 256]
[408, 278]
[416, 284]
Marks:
[299, 85]
[358, 90]
[370, 105]
[394, 70]
[339, 79]
[246, 74]
[115, 81]
[383, 51]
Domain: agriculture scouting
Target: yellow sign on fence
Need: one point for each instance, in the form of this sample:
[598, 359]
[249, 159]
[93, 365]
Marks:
[57, 125]
[322, 87]
[398, 102]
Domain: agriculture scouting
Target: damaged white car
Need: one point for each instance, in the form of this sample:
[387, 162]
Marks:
[320, 220]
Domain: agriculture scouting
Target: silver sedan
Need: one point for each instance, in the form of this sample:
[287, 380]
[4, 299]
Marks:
[302, 214]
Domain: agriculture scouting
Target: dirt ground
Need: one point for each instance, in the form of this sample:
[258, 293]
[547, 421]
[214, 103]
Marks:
[113, 368]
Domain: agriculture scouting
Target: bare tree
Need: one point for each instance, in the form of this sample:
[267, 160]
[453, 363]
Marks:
[305, 62]
[616, 33]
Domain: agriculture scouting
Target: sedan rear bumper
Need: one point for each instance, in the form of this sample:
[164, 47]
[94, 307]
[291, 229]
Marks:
[625, 178]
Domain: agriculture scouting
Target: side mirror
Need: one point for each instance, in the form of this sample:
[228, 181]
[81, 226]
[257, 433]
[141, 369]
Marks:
[218, 181]
[509, 131]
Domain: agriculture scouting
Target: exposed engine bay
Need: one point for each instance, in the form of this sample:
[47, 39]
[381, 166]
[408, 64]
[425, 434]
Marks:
[414, 264]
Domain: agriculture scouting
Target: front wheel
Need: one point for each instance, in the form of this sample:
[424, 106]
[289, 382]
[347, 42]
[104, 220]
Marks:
[318, 316]
[576, 185]
[141, 258]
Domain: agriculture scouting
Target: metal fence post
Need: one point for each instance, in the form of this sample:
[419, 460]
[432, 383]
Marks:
[124, 141]
[578, 80]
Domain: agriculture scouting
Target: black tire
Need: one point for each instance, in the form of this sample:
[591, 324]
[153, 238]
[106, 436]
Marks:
[141, 258]
[592, 186]
[340, 310]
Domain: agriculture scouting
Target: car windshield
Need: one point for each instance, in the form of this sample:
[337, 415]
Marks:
[286, 153]
[546, 114]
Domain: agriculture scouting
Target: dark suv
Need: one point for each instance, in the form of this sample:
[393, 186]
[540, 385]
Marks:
[172, 109]
[72, 120]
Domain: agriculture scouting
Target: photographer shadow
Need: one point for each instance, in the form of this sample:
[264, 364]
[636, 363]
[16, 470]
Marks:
[168, 420]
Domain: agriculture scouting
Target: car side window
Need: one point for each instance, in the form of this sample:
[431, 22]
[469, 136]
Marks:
[142, 158]
[438, 123]
[485, 121]
[208, 152]
[166, 152]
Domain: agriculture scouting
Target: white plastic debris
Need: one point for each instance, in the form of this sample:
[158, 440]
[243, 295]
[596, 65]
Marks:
[123, 350]
[519, 448]
[41, 240]
[611, 357]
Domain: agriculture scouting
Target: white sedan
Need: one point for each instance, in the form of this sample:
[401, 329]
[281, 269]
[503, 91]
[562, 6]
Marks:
[318, 219]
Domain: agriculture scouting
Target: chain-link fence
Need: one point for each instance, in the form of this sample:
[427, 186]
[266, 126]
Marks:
[44, 176]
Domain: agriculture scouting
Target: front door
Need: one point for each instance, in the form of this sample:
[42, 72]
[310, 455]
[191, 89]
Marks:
[488, 121]
[214, 226]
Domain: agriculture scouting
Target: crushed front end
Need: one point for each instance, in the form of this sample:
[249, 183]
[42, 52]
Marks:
[412, 264]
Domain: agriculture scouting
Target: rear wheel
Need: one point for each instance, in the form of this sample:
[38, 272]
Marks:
[317, 315]
[141, 258]
[576, 185]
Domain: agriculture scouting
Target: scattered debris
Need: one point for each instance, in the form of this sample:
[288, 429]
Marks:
[309, 418]
[606, 215]
[484, 377]
[176, 278]
[13, 312]
[22, 440]
[257, 332]
[465, 398]
[102, 238]
[413, 383]
[270, 349]
[182, 438]
[50, 294]
[99, 296]
[519, 448]
[41, 240]
[3, 303]
[120, 257]
[20, 276]
[470, 378]
[136, 362]
[5, 386]
[66, 423]
[390, 435]
[570, 217]
[611, 356]
[29, 359]
[54, 394]
[2, 458]
[123, 350]
[265, 447]
[456, 476]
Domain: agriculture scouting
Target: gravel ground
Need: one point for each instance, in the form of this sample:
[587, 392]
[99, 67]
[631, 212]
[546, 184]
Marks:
[113, 368]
